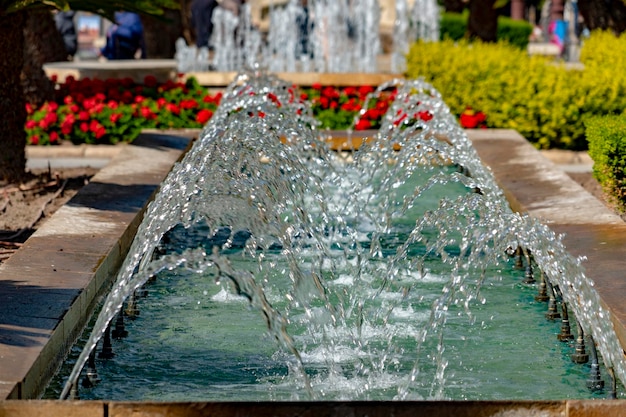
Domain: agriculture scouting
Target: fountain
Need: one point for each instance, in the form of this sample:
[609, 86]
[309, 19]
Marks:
[334, 256]
[314, 35]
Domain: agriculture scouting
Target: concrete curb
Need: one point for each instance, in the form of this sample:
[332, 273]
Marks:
[49, 288]
[535, 185]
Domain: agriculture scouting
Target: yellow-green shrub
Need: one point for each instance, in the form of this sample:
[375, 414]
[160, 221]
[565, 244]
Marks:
[540, 99]
[607, 148]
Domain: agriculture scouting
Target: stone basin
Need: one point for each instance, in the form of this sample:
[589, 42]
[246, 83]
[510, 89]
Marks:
[49, 288]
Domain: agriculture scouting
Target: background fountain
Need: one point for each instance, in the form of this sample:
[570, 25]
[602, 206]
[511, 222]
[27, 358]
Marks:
[335, 255]
[316, 35]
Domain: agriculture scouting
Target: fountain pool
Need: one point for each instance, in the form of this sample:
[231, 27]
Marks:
[387, 277]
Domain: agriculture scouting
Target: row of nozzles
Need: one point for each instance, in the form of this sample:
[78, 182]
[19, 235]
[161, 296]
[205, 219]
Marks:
[114, 331]
[552, 295]
[523, 260]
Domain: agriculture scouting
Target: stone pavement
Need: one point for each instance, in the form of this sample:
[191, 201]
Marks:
[49, 288]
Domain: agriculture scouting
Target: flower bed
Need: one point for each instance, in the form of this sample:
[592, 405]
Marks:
[97, 111]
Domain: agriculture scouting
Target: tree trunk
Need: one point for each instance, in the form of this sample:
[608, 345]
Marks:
[42, 43]
[454, 6]
[600, 14]
[160, 36]
[483, 20]
[12, 104]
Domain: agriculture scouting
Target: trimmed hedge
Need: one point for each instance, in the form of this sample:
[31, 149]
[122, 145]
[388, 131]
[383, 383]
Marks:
[542, 100]
[607, 148]
[516, 32]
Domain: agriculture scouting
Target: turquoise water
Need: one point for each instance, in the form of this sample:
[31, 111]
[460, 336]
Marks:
[196, 340]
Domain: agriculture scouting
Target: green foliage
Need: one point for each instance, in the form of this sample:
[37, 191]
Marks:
[516, 32]
[453, 26]
[607, 148]
[542, 100]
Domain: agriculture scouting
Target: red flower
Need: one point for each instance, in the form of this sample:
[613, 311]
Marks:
[274, 99]
[68, 124]
[188, 104]
[400, 119]
[31, 124]
[100, 131]
[97, 108]
[316, 86]
[330, 92]
[84, 127]
[68, 100]
[49, 118]
[29, 109]
[203, 116]
[362, 124]
[471, 119]
[146, 112]
[150, 81]
[54, 137]
[34, 139]
[365, 90]
[115, 117]
[161, 102]
[424, 115]
[350, 91]
[83, 115]
[172, 108]
[127, 96]
[372, 114]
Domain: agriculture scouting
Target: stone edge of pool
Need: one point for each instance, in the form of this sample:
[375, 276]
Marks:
[50, 285]
[534, 185]
[568, 408]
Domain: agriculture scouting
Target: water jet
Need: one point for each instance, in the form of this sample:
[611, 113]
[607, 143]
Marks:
[378, 246]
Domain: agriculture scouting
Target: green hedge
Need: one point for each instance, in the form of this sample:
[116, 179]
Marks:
[607, 148]
[516, 32]
[453, 26]
[542, 100]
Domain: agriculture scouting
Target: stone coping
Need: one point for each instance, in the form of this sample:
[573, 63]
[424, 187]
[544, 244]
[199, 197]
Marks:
[338, 142]
[534, 185]
[48, 288]
[221, 79]
[166, 69]
[137, 69]
[567, 408]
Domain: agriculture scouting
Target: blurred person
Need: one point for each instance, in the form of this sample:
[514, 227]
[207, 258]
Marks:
[125, 37]
[64, 21]
[201, 15]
